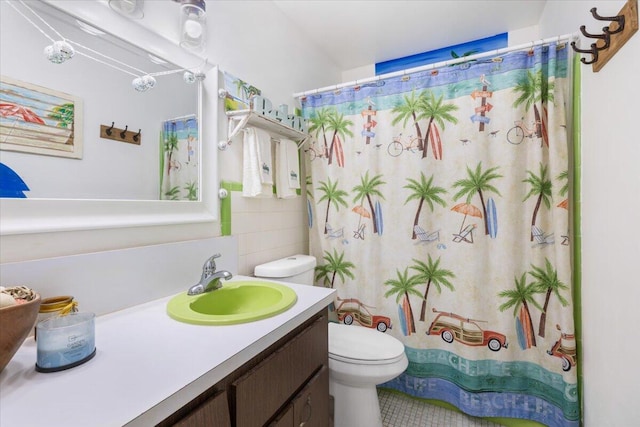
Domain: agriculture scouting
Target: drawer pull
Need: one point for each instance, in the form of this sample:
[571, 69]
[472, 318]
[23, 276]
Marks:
[307, 405]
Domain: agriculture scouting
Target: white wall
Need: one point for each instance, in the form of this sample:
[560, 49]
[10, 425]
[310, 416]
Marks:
[267, 50]
[610, 205]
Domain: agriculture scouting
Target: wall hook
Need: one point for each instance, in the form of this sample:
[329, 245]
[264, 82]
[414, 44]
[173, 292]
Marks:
[605, 36]
[124, 132]
[593, 51]
[137, 135]
[619, 19]
[108, 131]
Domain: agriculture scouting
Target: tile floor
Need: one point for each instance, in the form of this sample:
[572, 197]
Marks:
[401, 411]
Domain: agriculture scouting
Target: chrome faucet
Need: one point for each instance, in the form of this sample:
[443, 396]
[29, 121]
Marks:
[210, 279]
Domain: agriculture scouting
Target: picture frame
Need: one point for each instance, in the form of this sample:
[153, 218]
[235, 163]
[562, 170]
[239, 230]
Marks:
[38, 120]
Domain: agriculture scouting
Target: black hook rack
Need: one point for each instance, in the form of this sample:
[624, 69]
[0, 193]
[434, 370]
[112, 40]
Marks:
[122, 135]
[613, 37]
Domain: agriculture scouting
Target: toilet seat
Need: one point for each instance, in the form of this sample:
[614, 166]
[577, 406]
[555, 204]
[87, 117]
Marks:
[363, 346]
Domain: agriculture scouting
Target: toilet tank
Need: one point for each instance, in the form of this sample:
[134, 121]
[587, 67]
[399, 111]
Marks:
[293, 269]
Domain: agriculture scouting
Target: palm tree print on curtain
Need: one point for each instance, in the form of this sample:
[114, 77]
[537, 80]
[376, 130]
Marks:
[534, 90]
[541, 187]
[179, 163]
[548, 283]
[520, 298]
[318, 127]
[411, 109]
[402, 287]
[438, 113]
[331, 193]
[431, 274]
[367, 189]
[519, 289]
[337, 124]
[478, 182]
[424, 191]
[335, 266]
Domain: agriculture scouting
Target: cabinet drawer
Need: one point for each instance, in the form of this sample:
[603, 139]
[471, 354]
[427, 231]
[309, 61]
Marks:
[213, 412]
[262, 391]
[311, 405]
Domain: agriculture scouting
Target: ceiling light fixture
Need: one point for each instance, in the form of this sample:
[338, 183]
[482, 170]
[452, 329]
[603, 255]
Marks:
[193, 24]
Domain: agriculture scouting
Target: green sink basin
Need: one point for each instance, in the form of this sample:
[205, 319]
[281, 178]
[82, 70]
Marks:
[235, 302]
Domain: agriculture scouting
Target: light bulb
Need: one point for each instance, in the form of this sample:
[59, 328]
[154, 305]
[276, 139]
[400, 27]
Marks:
[189, 77]
[143, 83]
[193, 29]
[59, 52]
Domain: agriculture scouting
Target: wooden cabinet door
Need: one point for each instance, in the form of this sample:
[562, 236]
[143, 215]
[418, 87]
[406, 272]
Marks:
[311, 405]
[285, 419]
[213, 412]
[271, 384]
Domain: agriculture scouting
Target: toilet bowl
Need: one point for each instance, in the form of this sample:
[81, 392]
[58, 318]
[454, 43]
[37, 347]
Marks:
[359, 358]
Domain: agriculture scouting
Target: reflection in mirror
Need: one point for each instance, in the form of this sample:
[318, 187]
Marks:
[83, 131]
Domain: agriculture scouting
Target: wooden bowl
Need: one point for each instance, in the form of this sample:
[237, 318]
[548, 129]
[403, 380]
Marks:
[17, 321]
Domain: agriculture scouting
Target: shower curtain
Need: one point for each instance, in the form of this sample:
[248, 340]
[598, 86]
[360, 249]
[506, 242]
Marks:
[438, 209]
[179, 162]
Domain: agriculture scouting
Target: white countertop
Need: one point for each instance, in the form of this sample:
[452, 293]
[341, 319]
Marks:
[146, 367]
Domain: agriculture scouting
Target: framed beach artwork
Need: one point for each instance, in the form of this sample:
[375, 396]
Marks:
[239, 93]
[38, 120]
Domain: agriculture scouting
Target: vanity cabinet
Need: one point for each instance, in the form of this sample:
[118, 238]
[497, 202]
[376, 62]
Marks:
[310, 407]
[285, 385]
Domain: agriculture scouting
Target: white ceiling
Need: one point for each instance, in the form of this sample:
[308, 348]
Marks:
[355, 33]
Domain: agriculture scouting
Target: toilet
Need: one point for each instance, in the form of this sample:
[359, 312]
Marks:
[359, 358]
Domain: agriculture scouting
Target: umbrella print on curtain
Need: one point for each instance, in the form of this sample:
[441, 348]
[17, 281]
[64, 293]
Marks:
[466, 233]
[362, 212]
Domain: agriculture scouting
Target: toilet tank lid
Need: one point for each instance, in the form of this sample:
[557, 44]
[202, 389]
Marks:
[360, 343]
[285, 267]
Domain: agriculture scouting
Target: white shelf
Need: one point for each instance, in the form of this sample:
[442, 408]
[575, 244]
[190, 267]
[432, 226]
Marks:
[239, 119]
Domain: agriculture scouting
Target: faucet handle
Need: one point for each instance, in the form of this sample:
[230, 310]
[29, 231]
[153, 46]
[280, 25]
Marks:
[210, 263]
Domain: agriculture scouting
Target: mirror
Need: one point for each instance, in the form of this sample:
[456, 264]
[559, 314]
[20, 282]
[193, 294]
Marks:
[101, 91]
[70, 204]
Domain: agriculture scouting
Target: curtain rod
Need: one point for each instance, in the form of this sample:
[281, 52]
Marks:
[565, 37]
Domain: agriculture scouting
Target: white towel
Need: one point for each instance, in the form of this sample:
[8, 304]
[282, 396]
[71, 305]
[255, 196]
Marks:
[264, 156]
[252, 185]
[287, 169]
[293, 164]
